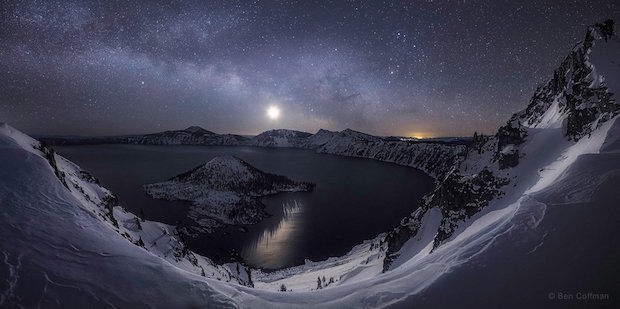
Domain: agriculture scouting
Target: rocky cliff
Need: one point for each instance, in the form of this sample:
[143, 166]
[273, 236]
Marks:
[560, 118]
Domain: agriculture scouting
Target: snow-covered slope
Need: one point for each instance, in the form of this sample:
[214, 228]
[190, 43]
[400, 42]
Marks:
[280, 138]
[224, 190]
[433, 157]
[567, 117]
[490, 192]
[44, 196]
[191, 136]
[578, 94]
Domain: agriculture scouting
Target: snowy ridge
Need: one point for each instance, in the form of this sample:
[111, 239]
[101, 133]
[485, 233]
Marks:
[280, 138]
[191, 136]
[572, 106]
[224, 191]
[156, 238]
[489, 191]
[578, 92]
[433, 158]
[361, 263]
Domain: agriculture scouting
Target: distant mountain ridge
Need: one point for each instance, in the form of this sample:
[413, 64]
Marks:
[280, 138]
[348, 142]
[196, 135]
[193, 135]
[570, 108]
[89, 250]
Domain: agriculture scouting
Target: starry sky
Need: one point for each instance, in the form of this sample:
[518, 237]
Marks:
[410, 68]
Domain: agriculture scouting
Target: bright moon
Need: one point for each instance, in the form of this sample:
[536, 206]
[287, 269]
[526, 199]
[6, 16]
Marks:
[273, 112]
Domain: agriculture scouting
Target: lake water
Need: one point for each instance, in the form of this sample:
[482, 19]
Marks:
[354, 199]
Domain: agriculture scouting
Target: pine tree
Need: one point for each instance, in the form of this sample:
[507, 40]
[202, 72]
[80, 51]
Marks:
[318, 283]
[283, 288]
[185, 249]
[138, 223]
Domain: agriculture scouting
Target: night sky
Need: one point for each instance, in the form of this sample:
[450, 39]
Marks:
[386, 68]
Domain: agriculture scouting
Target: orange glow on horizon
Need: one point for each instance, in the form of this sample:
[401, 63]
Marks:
[420, 135]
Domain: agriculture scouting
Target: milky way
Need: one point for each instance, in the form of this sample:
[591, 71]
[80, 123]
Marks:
[387, 68]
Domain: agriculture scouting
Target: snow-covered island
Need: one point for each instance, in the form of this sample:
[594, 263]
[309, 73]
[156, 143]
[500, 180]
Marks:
[67, 241]
[225, 191]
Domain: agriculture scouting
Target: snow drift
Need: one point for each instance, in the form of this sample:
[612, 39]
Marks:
[485, 193]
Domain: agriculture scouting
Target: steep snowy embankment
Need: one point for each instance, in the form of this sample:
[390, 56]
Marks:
[494, 187]
[66, 241]
[550, 149]
[567, 117]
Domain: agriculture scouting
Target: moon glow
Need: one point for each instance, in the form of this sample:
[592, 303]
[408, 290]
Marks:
[273, 112]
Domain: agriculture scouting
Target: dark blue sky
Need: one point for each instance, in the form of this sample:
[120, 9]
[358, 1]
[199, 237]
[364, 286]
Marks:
[388, 68]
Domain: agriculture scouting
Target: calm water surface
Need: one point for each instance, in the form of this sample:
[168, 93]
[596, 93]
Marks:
[354, 199]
